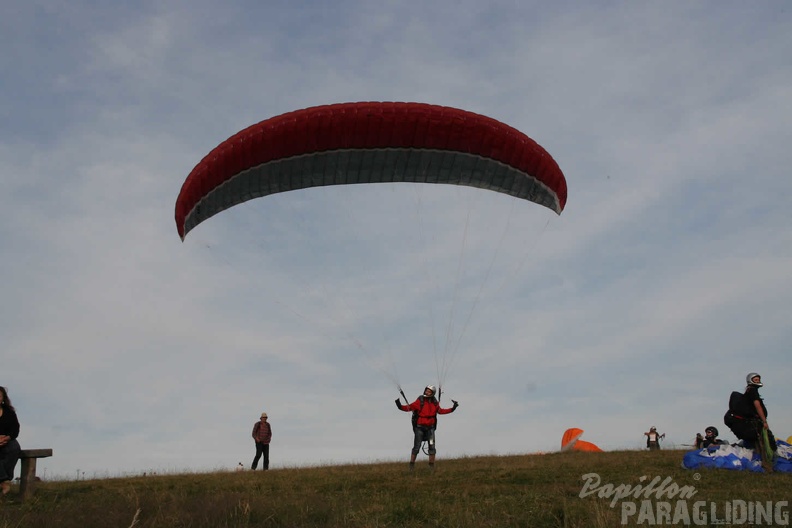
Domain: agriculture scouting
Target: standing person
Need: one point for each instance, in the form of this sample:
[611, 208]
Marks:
[747, 416]
[653, 438]
[426, 407]
[262, 435]
[9, 447]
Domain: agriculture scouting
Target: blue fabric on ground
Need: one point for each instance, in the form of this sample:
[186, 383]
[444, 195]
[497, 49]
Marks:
[737, 458]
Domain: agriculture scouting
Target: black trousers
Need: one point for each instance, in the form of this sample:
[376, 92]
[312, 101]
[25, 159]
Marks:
[262, 452]
[9, 455]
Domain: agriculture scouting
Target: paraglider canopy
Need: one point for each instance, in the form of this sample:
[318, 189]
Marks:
[369, 142]
[571, 441]
[378, 142]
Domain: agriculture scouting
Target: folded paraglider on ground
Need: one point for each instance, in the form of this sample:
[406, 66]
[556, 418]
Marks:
[735, 457]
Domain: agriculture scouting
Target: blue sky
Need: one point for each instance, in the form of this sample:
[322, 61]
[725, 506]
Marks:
[663, 283]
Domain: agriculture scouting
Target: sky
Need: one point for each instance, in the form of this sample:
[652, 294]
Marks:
[644, 303]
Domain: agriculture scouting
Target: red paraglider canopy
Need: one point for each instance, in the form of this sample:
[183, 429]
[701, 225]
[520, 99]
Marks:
[369, 142]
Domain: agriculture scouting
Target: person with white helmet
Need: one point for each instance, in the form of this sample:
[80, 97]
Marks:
[747, 415]
[425, 408]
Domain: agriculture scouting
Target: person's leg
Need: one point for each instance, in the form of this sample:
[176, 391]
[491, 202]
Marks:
[432, 448]
[417, 441]
[259, 451]
[265, 463]
[9, 456]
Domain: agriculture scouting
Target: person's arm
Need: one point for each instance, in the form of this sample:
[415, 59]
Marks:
[440, 410]
[760, 413]
[414, 406]
[255, 430]
[13, 427]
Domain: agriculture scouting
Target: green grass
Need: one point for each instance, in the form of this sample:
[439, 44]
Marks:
[528, 490]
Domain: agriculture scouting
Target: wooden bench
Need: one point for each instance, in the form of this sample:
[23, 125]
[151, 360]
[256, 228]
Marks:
[27, 481]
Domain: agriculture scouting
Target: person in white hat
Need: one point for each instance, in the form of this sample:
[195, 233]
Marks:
[262, 435]
[653, 438]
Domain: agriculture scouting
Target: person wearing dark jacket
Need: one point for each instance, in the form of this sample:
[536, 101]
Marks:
[426, 407]
[653, 438]
[9, 447]
[262, 435]
[747, 423]
[711, 437]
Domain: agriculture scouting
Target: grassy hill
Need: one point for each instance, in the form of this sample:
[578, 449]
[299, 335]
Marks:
[526, 490]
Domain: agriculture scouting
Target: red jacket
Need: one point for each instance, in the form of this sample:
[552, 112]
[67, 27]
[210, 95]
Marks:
[427, 413]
